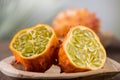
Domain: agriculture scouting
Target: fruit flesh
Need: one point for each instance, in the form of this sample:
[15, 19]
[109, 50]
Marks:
[32, 42]
[83, 49]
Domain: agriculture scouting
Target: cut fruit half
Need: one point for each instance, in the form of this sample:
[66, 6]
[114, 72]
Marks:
[33, 47]
[81, 51]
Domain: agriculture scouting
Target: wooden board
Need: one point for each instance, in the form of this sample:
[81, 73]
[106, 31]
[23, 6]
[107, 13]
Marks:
[16, 71]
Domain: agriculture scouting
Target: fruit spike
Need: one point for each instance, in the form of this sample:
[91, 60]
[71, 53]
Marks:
[81, 51]
[73, 17]
[34, 47]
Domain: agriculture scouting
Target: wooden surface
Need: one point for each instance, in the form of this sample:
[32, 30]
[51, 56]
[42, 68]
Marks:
[113, 51]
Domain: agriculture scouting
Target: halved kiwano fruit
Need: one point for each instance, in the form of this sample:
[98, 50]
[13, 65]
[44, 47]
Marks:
[81, 51]
[33, 47]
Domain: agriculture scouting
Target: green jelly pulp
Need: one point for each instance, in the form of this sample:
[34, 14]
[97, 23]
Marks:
[84, 49]
[32, 42]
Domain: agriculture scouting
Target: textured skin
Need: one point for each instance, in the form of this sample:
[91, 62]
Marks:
[74, 17]
[38, 63]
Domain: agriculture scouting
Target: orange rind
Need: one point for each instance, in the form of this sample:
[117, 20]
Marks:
[34, 47]
[81, 50]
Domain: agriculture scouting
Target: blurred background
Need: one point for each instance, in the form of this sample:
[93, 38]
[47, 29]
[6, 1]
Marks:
[18, 14]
